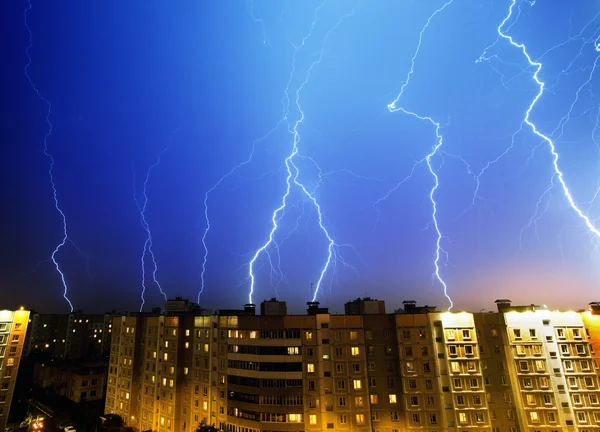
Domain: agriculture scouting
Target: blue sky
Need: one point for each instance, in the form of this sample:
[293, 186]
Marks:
[207, 80]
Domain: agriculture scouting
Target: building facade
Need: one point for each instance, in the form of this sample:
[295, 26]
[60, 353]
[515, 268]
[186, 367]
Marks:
[69, 336]
[518, 369]
[13, 327]
[77, 382]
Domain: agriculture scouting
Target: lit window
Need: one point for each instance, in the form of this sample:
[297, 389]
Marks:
[127, 395]
[170, 383]
[187, 344]
[205, 347]
[530, 399]
[313, 419]
[187, 332]
[353, 335]
[358, 401]
[165, 356]
[357, 384]
[293, 350]
[205, 406]
[455, 366]
[185, 371]
[360, 419]
[374, 399]
[164, 381]
[355, 351]
[393, 398]
[309, 335]
[534, 416]
[310, 368]
[166, 343]
[462, 417]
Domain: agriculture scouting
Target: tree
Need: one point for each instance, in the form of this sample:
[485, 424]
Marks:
[205, 427]
[114, 423]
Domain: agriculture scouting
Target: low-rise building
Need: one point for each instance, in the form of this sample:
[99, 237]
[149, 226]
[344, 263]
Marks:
[77, 382]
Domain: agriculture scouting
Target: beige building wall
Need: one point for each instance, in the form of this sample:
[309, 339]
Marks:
[515, 370]
[13, 327]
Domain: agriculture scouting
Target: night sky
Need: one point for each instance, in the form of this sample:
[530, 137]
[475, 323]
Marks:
[199, 82]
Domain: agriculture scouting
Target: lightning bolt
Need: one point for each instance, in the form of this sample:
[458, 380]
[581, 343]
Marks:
[537, 65]
[395, 106]
[292, 169]
[208, 225]
[142, 207]
[65, 237]
[259, 21]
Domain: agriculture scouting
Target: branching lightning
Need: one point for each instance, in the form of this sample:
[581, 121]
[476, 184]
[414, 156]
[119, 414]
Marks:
[293, 172]
[65, 237]
[208, 225]
[142, 207]
[537, 66]
[395, 106]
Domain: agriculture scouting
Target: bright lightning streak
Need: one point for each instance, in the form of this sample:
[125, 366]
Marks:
[65, 236]
[142, 207]
[293, 171]
[395, 107]
[555, 156]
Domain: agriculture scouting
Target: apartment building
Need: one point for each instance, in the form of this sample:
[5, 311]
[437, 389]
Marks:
[69, 336]
[13, 327]
[518, 369]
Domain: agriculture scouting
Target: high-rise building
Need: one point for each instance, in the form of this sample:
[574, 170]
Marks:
[13, 326]
[519, 369]
[69, 336]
